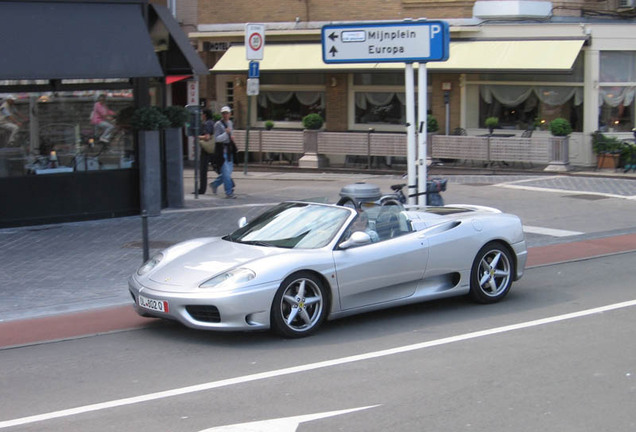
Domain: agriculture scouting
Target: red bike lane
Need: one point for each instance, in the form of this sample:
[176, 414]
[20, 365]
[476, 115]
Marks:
[100, 321]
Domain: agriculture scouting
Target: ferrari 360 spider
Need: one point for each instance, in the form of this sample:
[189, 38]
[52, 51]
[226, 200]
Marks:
[300, 263]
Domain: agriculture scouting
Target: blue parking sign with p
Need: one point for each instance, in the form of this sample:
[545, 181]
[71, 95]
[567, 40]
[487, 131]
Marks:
[253, 70]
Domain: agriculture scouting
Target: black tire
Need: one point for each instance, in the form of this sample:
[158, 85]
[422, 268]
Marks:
[491, 274]
[300, 306]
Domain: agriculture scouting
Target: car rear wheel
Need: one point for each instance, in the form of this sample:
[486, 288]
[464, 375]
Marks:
[491, 274]
[300, 306]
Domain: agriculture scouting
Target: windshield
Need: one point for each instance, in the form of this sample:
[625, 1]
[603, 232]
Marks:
[293, 225]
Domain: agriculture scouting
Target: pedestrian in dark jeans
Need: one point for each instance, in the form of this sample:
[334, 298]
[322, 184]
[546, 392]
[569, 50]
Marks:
[225, 151]
[207, 129]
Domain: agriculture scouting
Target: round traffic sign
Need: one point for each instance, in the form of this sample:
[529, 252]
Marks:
[255, 41]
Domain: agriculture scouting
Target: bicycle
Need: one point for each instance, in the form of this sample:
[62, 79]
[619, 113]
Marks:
[119, 147]
[433, 189]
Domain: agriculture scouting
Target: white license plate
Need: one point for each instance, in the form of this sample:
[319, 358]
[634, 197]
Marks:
[155, 305]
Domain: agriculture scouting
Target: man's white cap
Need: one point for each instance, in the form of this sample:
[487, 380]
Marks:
[226, 109]
[11, 97]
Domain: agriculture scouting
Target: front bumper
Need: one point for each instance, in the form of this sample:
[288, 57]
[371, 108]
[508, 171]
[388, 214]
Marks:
[244, 309]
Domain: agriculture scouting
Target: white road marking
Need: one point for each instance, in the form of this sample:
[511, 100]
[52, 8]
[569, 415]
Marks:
[515, 185]
[287, 424]
[550, 231]
[308, 367]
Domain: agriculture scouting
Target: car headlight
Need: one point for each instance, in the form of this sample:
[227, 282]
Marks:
[231, 277]
[150, 264]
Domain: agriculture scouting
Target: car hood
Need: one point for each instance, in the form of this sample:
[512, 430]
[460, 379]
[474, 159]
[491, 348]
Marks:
[199, 263]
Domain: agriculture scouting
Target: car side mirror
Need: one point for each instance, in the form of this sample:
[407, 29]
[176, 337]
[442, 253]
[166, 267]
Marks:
[358, 238]
[242, 222]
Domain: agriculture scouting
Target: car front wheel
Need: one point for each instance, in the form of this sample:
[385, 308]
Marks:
[491, 274]
[300, 306]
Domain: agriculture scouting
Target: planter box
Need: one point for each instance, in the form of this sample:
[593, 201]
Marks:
[607, 161]
[311, 158]
[559, 154]
[174, 167]
[150, 172]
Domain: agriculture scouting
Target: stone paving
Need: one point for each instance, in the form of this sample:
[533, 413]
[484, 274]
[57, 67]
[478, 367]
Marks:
[61, 268]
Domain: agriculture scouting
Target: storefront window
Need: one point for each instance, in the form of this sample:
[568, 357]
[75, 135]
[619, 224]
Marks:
[52, 132]
[289, 105]
[380, 108]
[617, 88]
[526, 107]
[380, 101]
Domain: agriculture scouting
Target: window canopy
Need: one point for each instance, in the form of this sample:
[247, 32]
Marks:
[468, 56]
[89, 40]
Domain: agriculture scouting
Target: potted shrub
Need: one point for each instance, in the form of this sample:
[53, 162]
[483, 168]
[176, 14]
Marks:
[269, 125]
[311, 158]
[313, 121]
[608, 150]
[147, 121]
[178, 117]
[431, 124]
[560, 129]
[491, 123]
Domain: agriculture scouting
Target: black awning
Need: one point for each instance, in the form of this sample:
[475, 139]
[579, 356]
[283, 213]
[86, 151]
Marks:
[177, 55]
[58, 40]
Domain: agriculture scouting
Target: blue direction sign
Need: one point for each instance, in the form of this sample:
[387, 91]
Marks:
[403, 42]
[253, 71]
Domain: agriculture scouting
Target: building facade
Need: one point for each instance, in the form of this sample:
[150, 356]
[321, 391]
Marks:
[524, 62]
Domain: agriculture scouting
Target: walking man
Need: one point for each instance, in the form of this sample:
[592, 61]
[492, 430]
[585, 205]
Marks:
[225, 152]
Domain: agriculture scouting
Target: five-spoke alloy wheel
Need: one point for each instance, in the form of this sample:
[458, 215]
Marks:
[300, 305]
[492, 273]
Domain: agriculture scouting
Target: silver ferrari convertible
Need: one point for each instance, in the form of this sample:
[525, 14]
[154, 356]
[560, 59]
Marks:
[300, 263]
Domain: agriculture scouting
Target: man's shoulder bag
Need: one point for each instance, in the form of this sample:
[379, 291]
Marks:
[208, 145]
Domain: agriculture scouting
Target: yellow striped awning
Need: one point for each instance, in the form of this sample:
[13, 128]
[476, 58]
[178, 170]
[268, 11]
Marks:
[467, 57]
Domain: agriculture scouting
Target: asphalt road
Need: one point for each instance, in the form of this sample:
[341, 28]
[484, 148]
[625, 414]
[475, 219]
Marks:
[546, 358]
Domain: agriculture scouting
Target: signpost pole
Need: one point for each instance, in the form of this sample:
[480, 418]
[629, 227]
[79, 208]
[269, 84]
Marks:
[247, 133]
[254, 50]
[422, 98]
[410, 132]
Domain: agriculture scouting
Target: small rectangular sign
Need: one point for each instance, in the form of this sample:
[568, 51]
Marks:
[252, 86]
[253, 71]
